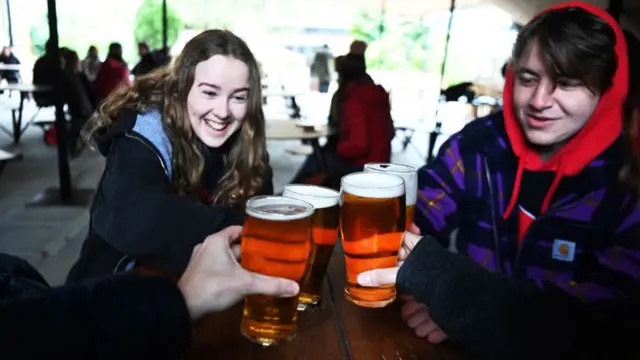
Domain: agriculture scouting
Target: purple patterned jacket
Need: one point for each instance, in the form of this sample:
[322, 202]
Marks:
[587, 244]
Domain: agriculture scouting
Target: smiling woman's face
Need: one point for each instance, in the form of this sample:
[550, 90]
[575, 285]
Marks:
[217, 101]
[549, 114]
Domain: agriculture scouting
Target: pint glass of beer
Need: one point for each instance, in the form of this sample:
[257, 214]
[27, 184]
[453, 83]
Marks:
[276, 241]
[325, 232]
[410, 176]
[372, 221]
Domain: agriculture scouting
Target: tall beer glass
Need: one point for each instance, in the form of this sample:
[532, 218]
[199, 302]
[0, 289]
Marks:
[276, 241]
[326, 219]
[372, 220]
[410, 176]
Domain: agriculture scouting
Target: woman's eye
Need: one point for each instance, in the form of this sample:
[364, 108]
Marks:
[209, 93]
[242, 98]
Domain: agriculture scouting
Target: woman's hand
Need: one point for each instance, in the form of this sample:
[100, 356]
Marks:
[214, 281]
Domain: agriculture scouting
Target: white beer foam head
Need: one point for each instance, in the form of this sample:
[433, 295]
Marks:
[373, 185]
[408, 173]
[278, 208]
[318, 196]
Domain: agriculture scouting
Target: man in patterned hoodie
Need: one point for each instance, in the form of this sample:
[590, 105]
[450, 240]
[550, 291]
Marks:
[548, 241]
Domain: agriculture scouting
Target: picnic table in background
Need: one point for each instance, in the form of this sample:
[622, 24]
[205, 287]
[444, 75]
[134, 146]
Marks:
[299, 130]
[25, 91]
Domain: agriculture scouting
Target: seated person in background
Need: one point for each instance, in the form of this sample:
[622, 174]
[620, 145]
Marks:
[366, 128]
[147, 62]
[44, 71]
[78, 97]
[7, 57]
[128, 316]
[113, 73]
[185, 148]
[548, 241]
[332, 140]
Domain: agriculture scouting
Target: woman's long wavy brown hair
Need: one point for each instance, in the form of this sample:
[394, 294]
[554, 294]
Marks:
[246, 165]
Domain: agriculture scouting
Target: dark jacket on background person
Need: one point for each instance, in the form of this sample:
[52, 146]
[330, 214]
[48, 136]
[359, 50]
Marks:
[44, 74]
[123, 317]
[136, 217]
[147, 64]
[566, 287]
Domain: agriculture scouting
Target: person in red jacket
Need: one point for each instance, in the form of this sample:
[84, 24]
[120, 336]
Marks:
[364, 119]
[113, 73]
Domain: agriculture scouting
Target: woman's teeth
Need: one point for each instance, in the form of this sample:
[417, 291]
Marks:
[215, 125]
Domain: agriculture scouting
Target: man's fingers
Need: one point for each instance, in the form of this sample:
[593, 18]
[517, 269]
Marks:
[426, 329]
[437, 336]
[406, 297]
[410, 240]
[413, 228]
[378, 277]
[268, 285]
[410, 308]
[418, 318]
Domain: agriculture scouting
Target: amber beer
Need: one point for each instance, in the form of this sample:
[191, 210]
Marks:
[276, 241]
[410, 176]
[325, 232]
[372, 222]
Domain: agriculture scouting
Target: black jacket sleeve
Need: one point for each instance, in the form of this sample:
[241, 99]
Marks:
[122, 317]
[498, 317]
[137, 213]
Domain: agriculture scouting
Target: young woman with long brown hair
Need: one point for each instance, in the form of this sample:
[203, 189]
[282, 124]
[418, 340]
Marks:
[185, 147]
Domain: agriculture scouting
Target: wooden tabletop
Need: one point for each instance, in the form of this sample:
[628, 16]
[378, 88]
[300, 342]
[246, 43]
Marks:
[289, 130]
[338, 330]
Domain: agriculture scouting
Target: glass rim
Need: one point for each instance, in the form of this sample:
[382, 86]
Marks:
[404, 169]
[345, 179]
[278, 199]
[294, 185]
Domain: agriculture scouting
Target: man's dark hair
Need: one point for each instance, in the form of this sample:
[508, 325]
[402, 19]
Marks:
[575, 44]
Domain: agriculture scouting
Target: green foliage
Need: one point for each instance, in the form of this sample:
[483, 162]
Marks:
[39, 34]
[148, 26]
[401, 45]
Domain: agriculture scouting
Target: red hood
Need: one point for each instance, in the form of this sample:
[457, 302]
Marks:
[602, 129]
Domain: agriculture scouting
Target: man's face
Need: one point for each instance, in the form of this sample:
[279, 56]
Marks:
[549, 113]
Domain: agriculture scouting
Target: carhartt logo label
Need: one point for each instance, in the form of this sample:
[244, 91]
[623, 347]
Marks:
[564, 250]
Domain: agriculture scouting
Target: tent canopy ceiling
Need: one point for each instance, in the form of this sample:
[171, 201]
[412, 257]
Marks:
[520, 10]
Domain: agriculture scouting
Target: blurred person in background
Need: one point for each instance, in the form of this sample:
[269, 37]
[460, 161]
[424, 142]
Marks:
[113, 73]
[363, 113]
[8, 57]
[91, 64]
[320, 68]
